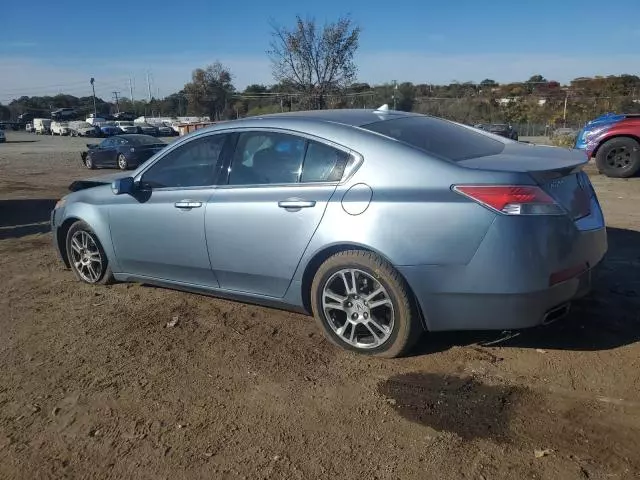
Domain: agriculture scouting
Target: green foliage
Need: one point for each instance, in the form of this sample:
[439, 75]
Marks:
[567, 141]
[210, 91]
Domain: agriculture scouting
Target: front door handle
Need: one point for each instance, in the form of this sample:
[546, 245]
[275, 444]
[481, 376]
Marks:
[296, 204]
[187, 204]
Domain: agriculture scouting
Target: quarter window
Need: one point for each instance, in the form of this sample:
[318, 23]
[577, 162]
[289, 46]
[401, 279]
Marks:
[323, 163]
[263, 158]
[194, 164]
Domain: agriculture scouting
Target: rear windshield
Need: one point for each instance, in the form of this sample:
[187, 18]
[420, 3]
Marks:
[143, 140]
[438, 137]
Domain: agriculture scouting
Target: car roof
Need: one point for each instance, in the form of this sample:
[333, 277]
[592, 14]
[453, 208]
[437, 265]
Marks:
[355, 116]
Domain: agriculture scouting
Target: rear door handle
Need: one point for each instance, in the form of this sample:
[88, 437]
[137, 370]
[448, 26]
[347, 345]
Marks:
[296, 204]
[187, 204]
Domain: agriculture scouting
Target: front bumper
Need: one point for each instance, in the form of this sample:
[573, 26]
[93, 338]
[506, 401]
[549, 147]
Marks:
[56, 216]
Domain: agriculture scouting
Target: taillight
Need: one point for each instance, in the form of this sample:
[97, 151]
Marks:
[512, 199]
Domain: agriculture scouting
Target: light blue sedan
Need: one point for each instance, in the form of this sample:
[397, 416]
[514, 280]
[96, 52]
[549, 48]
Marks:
[381, 224]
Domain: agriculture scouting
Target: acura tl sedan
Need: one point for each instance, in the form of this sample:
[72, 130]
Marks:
[382, 224]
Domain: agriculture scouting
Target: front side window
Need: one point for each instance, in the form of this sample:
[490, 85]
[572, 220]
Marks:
[193, 164]
[263, 158]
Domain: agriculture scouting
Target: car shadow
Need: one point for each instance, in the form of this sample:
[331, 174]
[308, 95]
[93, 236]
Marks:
[609, 317]
[22, 217]
[21, 141]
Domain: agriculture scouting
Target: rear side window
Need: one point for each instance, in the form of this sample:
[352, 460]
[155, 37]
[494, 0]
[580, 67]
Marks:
[323, 163]
[438, 137]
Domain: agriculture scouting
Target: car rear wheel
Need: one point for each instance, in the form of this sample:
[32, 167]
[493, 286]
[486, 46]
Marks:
[86, 255]
[619, 157]
[122, 162]
[364, 305]
[88, 162]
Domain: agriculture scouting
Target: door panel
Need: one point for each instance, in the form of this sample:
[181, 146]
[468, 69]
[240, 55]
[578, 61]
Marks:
[163, 237]
[255, 244]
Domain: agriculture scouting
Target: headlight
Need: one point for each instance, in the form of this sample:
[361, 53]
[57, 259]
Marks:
[60, 203]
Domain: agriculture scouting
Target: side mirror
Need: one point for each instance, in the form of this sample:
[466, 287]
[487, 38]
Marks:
[123, 186]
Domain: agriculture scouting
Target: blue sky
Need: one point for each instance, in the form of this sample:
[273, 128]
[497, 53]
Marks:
[47, 47]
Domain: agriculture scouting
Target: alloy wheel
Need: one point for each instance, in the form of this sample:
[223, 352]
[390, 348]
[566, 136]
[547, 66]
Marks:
[358, 308]
[619, 157]
[86, 257]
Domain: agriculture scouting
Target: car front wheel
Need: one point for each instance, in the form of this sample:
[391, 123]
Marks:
[86, 255]
[619, 157]
[364, 305]
[88, 162]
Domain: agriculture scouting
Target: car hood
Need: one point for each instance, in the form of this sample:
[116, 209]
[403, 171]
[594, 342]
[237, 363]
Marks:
[96, 181]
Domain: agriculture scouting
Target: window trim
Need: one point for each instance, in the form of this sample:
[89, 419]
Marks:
[137, 175]
[353, 163]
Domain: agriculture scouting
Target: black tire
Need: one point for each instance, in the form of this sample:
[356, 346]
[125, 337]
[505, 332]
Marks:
[619, 157]
[105, 276]
[88, 162]
[407, 326]
[122, 162]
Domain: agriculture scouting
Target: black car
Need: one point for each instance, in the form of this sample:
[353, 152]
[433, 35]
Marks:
[121, 151]
[502, 129]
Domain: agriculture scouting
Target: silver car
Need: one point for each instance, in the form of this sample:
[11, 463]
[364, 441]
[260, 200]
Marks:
[382, 224]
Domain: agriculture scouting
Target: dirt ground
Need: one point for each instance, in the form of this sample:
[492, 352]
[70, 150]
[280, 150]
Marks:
[94, 384]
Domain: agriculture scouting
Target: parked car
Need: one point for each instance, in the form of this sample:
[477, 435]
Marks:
[109, 129]
[60, 128]
[125, 116]
[3, 136]
[462, 230]
[81, 128]
[42, 126]
[147, 129]
[165, 130]
[614, 141]
[29, 128]
[127, 127]
[502, 129]
[93, 120]
[121, 151]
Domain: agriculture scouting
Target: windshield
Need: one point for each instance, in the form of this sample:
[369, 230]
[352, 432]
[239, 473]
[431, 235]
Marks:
[125, 124]
[143, 140]
[439, 137]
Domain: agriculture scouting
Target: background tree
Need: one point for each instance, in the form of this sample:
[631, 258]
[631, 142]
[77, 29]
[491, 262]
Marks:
[315, 61]
[210, 90]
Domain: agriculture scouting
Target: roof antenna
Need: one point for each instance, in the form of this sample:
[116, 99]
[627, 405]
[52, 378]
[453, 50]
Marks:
[383, 108]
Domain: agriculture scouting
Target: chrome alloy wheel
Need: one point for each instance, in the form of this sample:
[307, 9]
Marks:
[85, 256]
[358, 308]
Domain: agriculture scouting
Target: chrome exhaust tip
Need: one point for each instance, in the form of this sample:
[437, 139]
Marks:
[556, 313]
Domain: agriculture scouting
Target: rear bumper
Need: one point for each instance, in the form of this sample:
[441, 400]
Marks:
[506, 286]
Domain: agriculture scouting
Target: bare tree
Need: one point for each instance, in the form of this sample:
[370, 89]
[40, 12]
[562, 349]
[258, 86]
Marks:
[210, 90]
[315, 61]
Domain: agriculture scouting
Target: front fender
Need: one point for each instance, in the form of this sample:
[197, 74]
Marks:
[97, 217]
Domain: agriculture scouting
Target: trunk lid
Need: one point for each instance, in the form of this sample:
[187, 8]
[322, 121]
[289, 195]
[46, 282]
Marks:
[558, 171]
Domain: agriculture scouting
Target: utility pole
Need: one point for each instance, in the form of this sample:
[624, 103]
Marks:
[395, 90]
[148, 86]
[131, 92]
[115, 94]
[564, 111]
[93, 88]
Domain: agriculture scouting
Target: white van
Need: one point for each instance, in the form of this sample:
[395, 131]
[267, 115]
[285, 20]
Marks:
[59, 128]
[42, 126]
